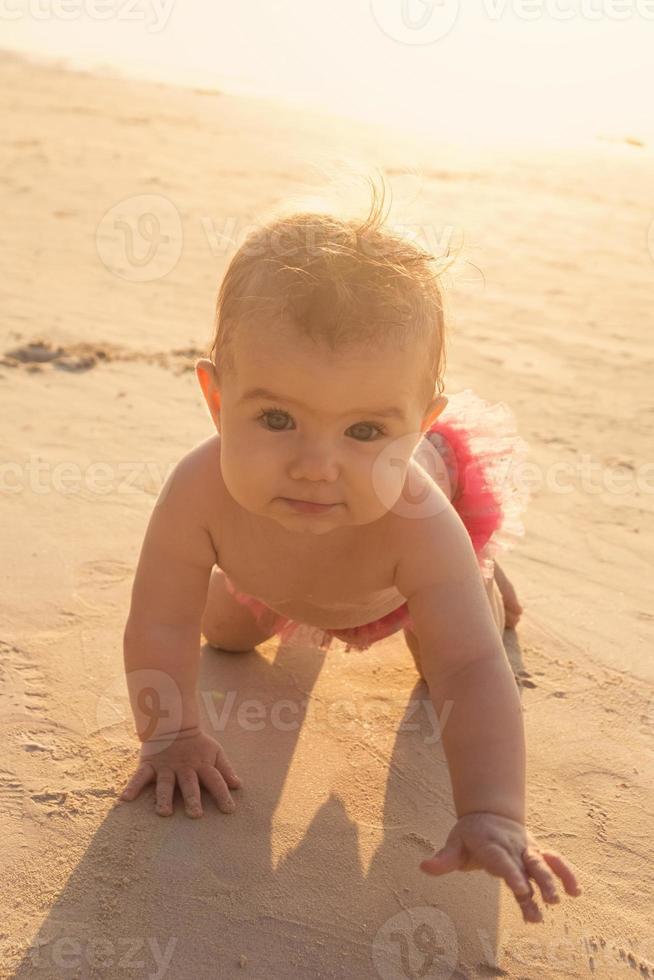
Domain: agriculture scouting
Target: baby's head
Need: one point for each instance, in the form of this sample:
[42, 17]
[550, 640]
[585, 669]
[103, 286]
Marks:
[326, 366]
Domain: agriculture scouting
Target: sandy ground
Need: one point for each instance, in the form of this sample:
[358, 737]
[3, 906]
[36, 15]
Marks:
[316, 873]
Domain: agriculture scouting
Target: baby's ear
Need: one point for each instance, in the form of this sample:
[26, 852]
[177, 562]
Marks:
[434, 409]
[206, 375]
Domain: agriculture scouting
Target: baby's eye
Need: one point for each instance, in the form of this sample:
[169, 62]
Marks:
[371, 428]
[279, 414]
[276, 413]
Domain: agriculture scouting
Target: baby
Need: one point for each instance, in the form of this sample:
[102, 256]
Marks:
[310, 507]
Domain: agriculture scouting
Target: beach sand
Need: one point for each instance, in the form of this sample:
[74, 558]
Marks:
[316, 872]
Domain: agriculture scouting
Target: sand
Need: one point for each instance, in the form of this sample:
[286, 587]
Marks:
[316, 873]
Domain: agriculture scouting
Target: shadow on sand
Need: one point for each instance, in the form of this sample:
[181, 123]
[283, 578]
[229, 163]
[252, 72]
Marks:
[279, 888]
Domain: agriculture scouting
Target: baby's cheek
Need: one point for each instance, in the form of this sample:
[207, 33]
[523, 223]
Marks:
[241, 477]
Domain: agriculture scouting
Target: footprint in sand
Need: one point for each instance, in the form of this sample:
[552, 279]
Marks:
[22, 685]
[636, 962]
[12, 795]
[40, 354]
[103, 573]
[93, 581]
[523, 679]
[79, 358]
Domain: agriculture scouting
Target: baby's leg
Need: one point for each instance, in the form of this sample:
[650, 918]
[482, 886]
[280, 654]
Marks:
[497, 608]
[414, 647]
[512, 607]
[496, 603]
[227, 623]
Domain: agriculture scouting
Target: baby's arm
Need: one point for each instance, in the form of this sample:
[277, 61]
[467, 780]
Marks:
[161, 645]
[475, 695]
[465, 667]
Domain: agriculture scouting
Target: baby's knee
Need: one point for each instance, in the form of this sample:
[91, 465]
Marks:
[228, 624]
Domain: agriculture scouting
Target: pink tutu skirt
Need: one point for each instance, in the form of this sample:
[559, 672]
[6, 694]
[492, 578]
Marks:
[480, 453]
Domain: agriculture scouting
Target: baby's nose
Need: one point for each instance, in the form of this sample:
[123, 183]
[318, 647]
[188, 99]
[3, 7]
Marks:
[315, 463]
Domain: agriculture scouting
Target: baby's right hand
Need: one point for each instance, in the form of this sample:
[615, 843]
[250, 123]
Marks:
[191, 755]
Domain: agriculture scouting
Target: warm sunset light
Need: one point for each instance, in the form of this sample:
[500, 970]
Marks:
[559, 71]
[326, 489]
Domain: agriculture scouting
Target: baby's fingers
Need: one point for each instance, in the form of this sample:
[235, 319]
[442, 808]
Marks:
[499, 862]
[143, 775]
[224, 766]
[538, 870]
[164, 791]
[561, 867]
[528, 907]
[216, 785]
[190, 787]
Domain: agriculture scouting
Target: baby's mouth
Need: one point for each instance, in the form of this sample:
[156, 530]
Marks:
[308, 506]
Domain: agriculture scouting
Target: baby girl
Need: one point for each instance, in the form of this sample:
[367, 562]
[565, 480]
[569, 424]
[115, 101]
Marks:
[332, 499]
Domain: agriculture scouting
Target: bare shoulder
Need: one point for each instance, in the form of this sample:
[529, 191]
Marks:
[192, 489]
[199, 471]
[177, 553]
[433, 543]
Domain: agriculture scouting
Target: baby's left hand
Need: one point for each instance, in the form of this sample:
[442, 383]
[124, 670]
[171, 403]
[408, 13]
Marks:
[504, 848]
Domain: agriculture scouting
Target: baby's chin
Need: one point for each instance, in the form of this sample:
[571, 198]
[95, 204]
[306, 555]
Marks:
[298, 524]
[341, 518]
[308, 524]
[305, 530]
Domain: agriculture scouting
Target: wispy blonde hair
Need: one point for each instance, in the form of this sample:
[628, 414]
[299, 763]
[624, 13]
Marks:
[341, 280]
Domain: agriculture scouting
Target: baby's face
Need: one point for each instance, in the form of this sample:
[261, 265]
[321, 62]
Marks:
[299, 422]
